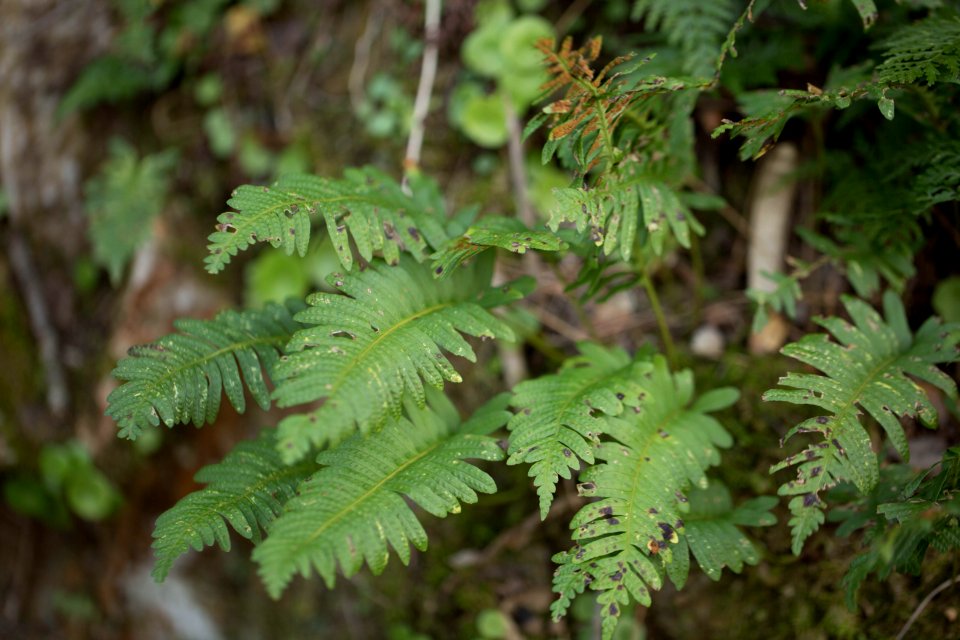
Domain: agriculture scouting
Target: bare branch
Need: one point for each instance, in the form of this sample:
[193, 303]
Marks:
[428, 73]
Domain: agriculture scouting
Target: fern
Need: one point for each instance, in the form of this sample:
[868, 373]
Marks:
[179, 378]
[503, 233]
[652, 455]
[903, 517]
[247, 490]
[696, 28]
[711, 535]
[593, 104]
[364, 351]
[560, 417]
[864, 262]
[927, 50]
[366, 207]
[865, 370]
[783, 298]
[122, 201]
[350, 511]
[612, 211]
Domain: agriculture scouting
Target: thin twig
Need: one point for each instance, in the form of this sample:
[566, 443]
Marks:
[22, 263]
[361, 55]
[561, 326]
[428, 73]
[731, 215]
[570, 15]
[518, 173]
[923, 605]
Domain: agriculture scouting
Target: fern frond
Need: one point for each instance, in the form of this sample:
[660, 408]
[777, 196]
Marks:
[696, 28]
[654, 454]
[366, 206]
[613, 211]
[927, 50]
[377, 342]
[712, 535]
[782, 299]
[122, 200]
[351, 510]
[906, 517]
[592, 103]
[502, 233]
[865, 370]
[179, 378]
[247, 490]
[561, 416]
[863, 261]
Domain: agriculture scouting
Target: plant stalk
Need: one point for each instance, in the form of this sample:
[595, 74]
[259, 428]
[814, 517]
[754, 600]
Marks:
[665, 336]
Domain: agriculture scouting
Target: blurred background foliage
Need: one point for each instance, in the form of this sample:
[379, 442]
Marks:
[136, 119]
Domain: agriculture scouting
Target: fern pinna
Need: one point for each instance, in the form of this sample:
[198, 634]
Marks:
[365, 206]
[247, 489]
[648, 442]
[351, 510]
[180, 377]
[866, 370]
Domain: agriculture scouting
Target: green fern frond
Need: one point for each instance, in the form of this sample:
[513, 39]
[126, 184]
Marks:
[696, 28]
[122, 200]
[654, 454]
[936, 173]
[613, 211]
[179, 378]
[865, 370]
[561, 416]
[712, 535]
[367, 349]
[783, 298]
[927, 50]
[904, 516]
[863, 261]
[366, 206]
[767, 113]
[502, 233]
[247, 490]
[355, 508]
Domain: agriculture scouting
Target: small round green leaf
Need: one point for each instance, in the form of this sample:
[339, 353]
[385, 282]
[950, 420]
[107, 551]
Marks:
[484, 120]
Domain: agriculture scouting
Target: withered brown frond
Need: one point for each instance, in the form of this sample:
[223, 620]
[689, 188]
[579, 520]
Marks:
[591, 105]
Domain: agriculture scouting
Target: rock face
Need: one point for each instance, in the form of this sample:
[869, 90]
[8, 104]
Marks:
[43, 46]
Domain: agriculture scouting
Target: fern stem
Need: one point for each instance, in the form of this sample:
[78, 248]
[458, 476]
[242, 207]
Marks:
[696, 259]
[665, 336]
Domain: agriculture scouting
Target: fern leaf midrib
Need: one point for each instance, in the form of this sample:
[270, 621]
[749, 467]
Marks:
[578, 395]
[347, 508]
[274, 209]
[851, 401]
[634, 486]
[378, 340]
[277, 341]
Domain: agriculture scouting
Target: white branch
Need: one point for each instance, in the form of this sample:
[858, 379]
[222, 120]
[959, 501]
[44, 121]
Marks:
[428, 72]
